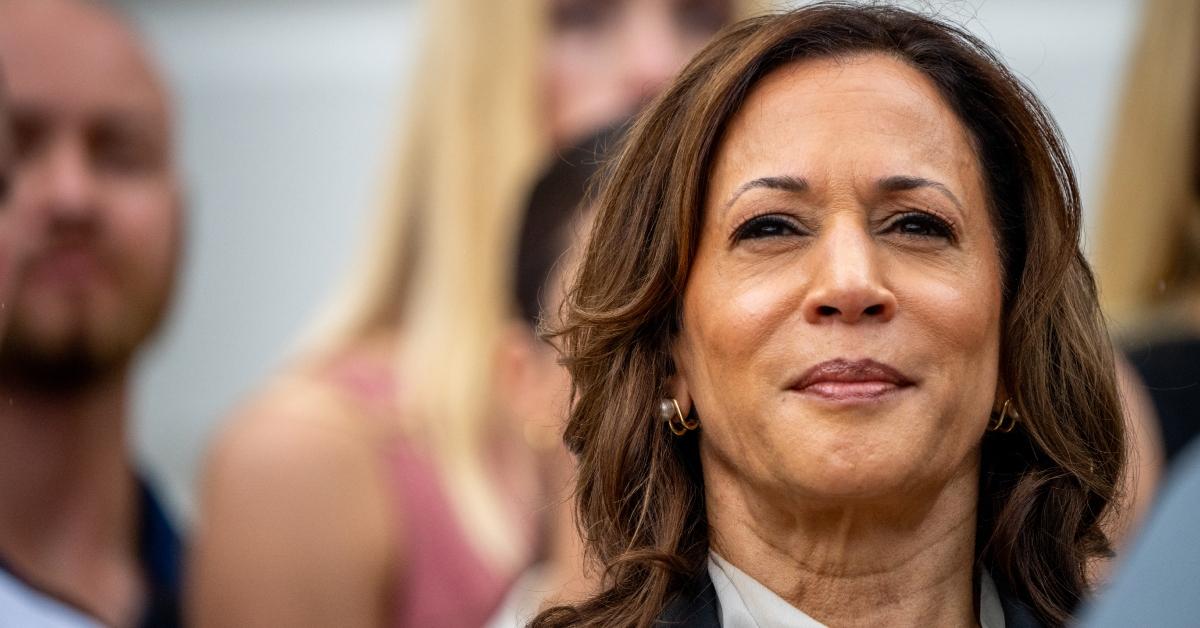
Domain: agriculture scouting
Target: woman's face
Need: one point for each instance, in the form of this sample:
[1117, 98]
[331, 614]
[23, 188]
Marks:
[607, 57]
[841, 322]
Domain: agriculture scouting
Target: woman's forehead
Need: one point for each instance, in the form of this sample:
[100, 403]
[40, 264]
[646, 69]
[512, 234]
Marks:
[871, 112]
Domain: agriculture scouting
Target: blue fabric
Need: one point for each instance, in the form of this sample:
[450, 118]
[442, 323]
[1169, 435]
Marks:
[1156, 585]
[162, 557]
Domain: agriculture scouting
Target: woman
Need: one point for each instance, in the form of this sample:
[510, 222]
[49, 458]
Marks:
[378, 482]
[836, 354]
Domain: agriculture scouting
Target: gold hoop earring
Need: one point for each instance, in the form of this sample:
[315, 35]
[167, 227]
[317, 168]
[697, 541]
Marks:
[1006, 420]
[669, 411]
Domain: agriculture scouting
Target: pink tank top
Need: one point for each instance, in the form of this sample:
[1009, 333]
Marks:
[443, 582]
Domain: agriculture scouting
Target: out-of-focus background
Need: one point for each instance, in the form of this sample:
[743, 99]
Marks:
[287, 110]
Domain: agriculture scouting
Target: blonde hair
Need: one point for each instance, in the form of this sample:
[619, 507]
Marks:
[439, 256]
[1150, 216]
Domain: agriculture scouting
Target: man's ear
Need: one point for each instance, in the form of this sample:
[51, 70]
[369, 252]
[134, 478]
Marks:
[513, 364]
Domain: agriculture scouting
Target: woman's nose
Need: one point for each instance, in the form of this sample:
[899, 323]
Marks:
[847, 281]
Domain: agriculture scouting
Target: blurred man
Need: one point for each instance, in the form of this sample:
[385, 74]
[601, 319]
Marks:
[6, 165]
[81, 537]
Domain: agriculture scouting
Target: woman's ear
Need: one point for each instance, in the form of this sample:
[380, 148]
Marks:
[1001, 395]
[677, 384]
[677, 389]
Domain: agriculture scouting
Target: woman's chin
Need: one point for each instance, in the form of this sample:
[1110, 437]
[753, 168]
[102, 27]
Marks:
[835, 485]
[864, 474]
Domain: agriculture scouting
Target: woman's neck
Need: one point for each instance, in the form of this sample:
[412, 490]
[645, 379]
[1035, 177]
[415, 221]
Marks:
[905, 563]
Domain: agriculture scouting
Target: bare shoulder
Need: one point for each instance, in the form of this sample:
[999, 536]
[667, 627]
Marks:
[298, 429]
[296, 525]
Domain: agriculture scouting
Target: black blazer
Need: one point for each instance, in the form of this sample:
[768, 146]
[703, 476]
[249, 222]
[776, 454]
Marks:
[696, 607]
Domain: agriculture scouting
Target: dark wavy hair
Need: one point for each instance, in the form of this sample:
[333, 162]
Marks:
[1044, 487]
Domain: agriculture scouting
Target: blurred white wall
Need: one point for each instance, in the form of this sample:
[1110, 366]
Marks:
[286, 110]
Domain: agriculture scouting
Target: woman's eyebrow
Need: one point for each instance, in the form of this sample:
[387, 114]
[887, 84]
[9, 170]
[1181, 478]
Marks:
[786, 183]
[901, 183]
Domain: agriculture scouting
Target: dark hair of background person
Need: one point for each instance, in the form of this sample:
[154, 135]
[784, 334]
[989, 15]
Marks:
[1044, 487]
[558, 199]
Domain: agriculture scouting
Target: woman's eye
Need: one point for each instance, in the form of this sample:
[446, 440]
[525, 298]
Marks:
[769, 226]
[922, 225]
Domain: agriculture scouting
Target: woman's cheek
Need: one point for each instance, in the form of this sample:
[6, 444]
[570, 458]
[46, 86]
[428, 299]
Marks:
[959, 310]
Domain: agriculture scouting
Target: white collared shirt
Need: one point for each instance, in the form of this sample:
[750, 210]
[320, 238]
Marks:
[746, 603]
[24, 606]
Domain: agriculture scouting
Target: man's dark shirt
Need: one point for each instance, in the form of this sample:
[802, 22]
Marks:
[160, 553]
[1170, 370]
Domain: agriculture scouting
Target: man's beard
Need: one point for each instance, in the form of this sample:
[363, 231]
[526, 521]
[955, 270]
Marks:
[65, 361]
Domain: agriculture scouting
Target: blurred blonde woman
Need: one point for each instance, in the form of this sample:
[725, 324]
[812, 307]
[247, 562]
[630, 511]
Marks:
[1148, 254]
[380, 480]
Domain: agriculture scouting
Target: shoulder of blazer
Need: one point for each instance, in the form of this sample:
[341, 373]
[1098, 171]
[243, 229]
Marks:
[1016, 613]
[695, 606]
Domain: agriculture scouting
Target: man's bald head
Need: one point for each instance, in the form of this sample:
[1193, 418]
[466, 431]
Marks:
[76, 38]
[95, 168]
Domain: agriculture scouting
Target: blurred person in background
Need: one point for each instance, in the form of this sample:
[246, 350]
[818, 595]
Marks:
[1148, 267]
[7, 239]
[533, 388]
[6, 146]
[1156, 582]
[83, 540]
[1148, 254]
[377, 481]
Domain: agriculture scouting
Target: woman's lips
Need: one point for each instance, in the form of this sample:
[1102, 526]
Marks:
[851, 380]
